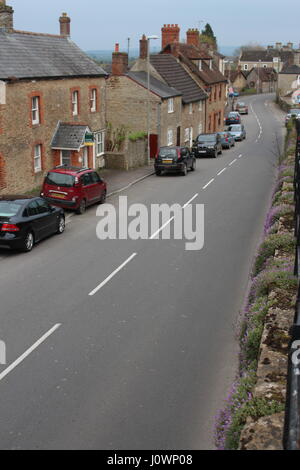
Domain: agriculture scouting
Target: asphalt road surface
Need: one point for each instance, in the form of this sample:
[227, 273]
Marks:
[145, 362]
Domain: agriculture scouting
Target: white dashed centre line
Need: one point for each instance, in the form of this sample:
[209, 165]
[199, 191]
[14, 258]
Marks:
[233, 161]
[210, 182]
[222, 171]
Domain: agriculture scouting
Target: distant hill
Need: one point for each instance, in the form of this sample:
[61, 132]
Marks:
[105, 55]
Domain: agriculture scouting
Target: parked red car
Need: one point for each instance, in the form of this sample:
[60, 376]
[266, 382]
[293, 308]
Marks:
[73, 188]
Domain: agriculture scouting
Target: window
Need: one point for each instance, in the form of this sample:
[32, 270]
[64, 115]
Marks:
[170, 137]
[32, 209]
[245, 66]
[171, 105]
[93, 100]
[75, 103]
[100, 139]
[191, 136]
[65, 157]
[35, 110]
[87, 179]
[186, 134]
[37, 158]
[191, 108]
[200, 105]
[43, 206]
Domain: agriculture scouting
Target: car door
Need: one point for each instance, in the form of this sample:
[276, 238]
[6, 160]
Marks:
[34, 220]
[49, 218]
[99, 185]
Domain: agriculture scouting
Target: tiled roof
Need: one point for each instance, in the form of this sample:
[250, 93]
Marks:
[265, 74]
[189, 50]
[291, 69]
[232, 75]
[265, 55]
[156, 86]
[208, 75]
[33, 55]
[176, 76]
[69, 136]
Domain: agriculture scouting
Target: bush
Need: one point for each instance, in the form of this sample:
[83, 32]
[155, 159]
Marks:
[137, 136]
[268, 280]
[267, 249]
[276, 212]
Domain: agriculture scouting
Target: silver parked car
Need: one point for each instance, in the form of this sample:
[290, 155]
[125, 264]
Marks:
[238, 131]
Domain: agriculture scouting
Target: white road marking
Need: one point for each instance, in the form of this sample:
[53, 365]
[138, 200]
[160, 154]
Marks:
[211, 181]
[112, 275]
[161, 228]
[233, 161]
[222, 171]
[190, 201]
[28, 352]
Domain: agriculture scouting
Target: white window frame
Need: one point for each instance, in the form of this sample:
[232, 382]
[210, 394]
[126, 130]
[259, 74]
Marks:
[200, 65]
[171, 105]
[75, 100]
[191, 136]
[186, 134]
[245, 66]
[37, 158]
[100, 143]
[61, 157]
[93, 100]
[170, 137]
[35, 110]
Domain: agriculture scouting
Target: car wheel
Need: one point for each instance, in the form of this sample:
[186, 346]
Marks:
[28, 243]
[103, 198]
[61, 225]
[193, 167]
[158, 172]
[184, 170]
[82, 208]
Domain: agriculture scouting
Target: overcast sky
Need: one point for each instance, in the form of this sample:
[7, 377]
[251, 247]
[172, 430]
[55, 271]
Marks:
[100, 24]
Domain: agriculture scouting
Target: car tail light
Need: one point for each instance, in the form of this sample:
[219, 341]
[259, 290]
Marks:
[10, 228]
[226, 140]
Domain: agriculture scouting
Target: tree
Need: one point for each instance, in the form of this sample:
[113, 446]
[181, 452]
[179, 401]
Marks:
[207, 36]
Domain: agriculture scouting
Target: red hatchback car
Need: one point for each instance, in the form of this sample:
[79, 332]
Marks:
[73, 188]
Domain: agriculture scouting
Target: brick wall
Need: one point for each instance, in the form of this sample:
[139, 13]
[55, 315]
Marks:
[19, 136]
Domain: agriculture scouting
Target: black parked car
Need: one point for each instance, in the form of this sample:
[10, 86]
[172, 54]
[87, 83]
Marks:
[233, 118]
[207, 144]
[177, 159]
[25, 221]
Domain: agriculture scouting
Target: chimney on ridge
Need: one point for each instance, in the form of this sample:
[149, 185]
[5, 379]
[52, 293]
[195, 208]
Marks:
[143, 47]
[65, 25]
[119, 62]
[169, 34]
[6, 17]
[193, 37]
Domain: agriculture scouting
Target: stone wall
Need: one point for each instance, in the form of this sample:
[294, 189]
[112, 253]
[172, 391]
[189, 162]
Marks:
[135, 155]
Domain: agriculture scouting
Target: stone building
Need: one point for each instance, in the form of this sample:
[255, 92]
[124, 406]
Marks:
[263, 79]
[167, 69]
[127, 101]
[272, 57]
[237, 79]
[201, 67]
[52, 104]
[289, 83]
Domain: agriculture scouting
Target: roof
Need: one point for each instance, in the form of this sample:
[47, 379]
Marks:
[291, 69]
[189, 50]
[208, 75]
[265, 74]
[265, 55]
[69, 136]
[177, 77]
[34, 55]
[156, 86]
[232, 75]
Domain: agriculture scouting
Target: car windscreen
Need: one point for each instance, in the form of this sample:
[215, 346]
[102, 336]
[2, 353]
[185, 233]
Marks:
[235, 128]
[9, 208]
[60, 179]
[206, 138]
[295, 111]
[167, 152]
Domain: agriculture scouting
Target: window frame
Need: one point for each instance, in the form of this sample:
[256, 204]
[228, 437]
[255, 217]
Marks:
[35, 110]
[38, 157]
[170, 136]
[93, 100]
[99, 143]
[75, 102]
[170, 105]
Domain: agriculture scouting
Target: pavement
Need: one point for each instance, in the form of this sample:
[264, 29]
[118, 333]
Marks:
[118, 180]
[131, 344]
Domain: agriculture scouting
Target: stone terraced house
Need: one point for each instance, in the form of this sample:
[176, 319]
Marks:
[52, 104]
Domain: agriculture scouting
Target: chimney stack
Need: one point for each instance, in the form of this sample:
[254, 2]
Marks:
[6, 17]
[143, 47]
[193, 37]
[119, 62]
[170, 34]
[65, 25]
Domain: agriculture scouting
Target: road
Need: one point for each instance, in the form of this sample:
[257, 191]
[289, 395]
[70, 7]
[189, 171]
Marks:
[146, 362]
